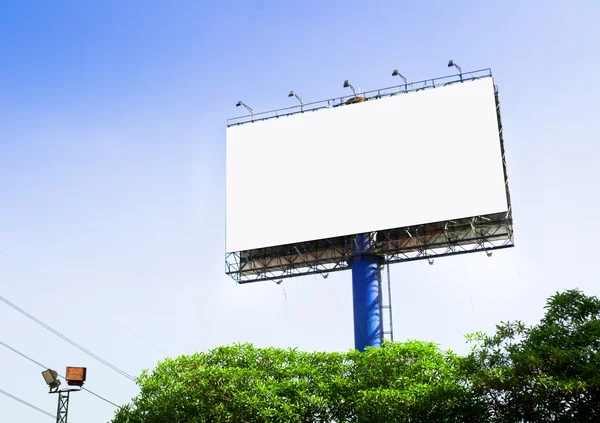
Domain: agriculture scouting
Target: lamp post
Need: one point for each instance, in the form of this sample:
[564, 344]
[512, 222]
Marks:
[241, 103]
[396, 73]
[451, 63]
[347, 84]
[293, 94]
[75, 377]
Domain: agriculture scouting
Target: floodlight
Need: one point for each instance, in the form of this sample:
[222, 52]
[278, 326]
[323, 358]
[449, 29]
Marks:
[325, 275]
[451, 63]
[489, 253]
[430, 260]
[396, 73]
[51, 378]
[348, 84]
[241, 103]
[293, 94]
[76, 376]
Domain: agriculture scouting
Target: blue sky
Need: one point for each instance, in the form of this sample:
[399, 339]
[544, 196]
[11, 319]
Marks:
[112, 173]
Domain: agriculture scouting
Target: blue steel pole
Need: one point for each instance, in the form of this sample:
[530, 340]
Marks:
[366, 294]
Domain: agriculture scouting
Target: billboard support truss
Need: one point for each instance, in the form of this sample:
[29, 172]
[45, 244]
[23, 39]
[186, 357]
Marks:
[480, 233]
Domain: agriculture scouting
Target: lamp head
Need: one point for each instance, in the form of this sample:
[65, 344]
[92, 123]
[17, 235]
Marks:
[238, 104]
[291, 94]
[51, 378]
[346, 83]
[395, 73]
[451, 63]
[76, 376]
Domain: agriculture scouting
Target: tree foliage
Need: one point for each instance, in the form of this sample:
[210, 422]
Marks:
[412, 381]
[548, 372]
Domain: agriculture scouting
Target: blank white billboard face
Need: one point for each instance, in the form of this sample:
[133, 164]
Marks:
[411, 159]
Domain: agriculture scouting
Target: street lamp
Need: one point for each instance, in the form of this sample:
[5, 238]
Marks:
[348, 84]
[451, 63]
[75, 377]
[241, 103]
[293, 94]
[396, 73]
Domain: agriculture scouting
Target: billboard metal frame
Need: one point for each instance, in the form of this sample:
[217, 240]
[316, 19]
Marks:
[428, 241]
[368, 95]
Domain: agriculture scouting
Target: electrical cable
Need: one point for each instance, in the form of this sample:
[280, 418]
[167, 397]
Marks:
[24, 266]
[27, 404]
[45, 367]
[64, 338]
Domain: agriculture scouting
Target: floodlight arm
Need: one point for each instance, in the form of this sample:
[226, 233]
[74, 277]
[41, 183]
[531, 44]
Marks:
[241, 103]
[403, 78]
[400, 75]
[451, 63]
[349, 85]
[293, 94]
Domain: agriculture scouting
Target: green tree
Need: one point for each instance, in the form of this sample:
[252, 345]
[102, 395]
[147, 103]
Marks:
[412, 382]
[548, 372]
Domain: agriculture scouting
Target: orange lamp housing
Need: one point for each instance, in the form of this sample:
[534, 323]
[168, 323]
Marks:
[75, 376]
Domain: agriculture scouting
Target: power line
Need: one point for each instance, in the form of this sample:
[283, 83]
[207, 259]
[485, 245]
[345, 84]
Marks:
[27, 404]
[45, 367]
[64, 338]
[98, 396]
[24, 266]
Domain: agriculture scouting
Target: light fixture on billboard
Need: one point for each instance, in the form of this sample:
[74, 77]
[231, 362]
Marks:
[348, 84]
[293, 94]
[451, 63]
[278, 281]
[488, 253]
[396, 73]
[241, 103]
[325, 275]
[430, 261]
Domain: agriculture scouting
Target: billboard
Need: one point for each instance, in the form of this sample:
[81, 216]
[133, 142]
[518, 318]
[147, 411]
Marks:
[421, 170]
[405, 160]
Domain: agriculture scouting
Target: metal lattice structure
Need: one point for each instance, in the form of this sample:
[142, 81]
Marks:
[483, 233]
[63, 407]
[454, 237]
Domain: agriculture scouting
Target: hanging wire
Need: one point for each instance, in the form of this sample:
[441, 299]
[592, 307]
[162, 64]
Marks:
[64, 338]
[45, 367]
[34, 272]
[27, 404]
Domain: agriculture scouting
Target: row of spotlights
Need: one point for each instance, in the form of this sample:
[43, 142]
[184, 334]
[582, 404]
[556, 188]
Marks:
[347, 84]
